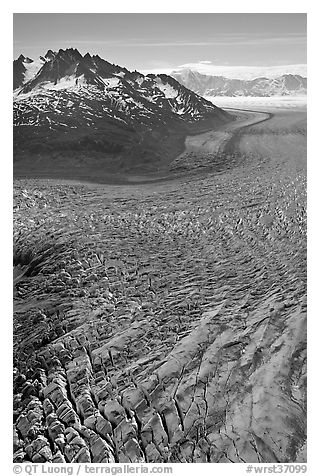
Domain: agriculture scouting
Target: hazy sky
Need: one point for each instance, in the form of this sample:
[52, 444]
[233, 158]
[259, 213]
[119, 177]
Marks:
[166, 41]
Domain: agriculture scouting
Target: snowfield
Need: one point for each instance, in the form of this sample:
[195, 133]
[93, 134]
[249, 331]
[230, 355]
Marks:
[246, 102]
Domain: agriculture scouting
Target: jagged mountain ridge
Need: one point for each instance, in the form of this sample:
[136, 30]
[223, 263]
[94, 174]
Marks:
[66, 102]
[206, 85]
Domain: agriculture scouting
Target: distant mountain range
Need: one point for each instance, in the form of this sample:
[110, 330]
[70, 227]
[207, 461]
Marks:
[206, 85]
[68, 106]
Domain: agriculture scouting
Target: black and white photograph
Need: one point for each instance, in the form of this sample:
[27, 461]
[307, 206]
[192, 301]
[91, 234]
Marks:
[159, 241]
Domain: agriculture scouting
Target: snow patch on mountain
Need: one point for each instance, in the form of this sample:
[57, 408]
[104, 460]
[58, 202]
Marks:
[66, 82]
[167, 90]
[111, 82]
[32, 69]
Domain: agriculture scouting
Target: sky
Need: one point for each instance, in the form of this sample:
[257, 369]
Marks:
[162, 42]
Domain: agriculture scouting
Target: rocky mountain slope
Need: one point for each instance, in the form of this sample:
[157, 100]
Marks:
[82, 107]
[205, 85]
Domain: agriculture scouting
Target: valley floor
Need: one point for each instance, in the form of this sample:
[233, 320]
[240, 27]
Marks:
[167, 321]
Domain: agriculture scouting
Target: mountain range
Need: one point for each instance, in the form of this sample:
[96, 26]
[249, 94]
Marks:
[73, 112]
[206, 85]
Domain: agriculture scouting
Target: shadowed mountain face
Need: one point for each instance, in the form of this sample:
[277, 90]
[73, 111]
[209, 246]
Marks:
[285, 85]
[74, 107]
